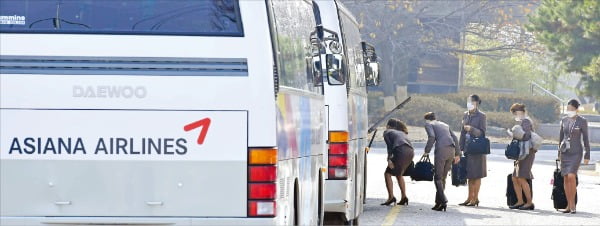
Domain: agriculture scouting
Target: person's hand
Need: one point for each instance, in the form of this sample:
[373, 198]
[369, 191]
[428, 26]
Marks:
[467, 128]
[367, 149]
[390, 164]
[456, 159]
[586, 161]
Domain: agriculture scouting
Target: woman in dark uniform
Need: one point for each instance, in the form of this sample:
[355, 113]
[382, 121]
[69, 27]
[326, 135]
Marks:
[446, 152]
[400, 155]
[572, 129]
[474, 125]
[522, 171]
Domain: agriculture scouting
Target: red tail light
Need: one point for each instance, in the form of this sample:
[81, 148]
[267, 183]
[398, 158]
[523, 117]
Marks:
[338, 155]
[338, 149]
[338, 160]
[262, 174]
[262, 191]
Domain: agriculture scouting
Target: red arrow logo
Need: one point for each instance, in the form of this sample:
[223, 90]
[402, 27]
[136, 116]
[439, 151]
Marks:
[204, 123]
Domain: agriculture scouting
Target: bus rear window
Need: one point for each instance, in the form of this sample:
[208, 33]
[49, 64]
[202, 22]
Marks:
[157, 17]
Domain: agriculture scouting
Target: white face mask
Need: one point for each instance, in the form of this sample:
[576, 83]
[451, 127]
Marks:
[470, 106]
[428, 121]
[571, 113]
[518, 119]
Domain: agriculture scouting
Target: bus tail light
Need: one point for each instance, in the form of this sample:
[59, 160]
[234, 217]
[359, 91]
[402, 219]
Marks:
[338, 173]
[261, 208]
[261, 190]
[338, 155]
[262, 174]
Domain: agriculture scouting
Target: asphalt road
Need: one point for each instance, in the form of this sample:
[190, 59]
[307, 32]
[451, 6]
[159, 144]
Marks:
[492, 209]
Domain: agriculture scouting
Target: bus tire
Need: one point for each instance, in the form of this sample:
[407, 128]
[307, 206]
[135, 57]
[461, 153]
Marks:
[365, 181]
[295, 211]
[321, 203]
[335, 219]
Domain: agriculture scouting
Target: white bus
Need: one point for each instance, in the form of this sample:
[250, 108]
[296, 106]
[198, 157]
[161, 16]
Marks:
[346, 106]
[161, 112]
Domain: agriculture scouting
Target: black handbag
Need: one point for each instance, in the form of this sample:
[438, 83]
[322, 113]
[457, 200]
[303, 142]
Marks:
[478, 146]
[423, 170]
[513, 150]
[409, 169]
[459, 172]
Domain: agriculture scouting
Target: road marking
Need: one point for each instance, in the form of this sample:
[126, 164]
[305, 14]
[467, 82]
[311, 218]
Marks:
[390, 218]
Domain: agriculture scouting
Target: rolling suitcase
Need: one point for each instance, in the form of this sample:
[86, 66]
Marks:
[559, 197]
[511, 196]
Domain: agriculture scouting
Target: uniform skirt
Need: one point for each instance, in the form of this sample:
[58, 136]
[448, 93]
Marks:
[401, 158]
[476, 166]
[570, 161]
[523, 167]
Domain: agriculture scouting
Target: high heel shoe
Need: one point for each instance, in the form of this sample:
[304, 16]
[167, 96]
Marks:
[513, 207]
[567, 210]
[573, 211]
[403, 201]
[436, 206]
[441, 207]
[476, 203]
[465, 203]
[532, 207]
[389, 201]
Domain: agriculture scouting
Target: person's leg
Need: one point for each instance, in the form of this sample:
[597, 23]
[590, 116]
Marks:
[447, 168]
[567, 188]
[518, 191]
[471, 189]
[438, 169]
[527, 190]
[573, 190]
[476, 188]
[402, 185]
[389, 185]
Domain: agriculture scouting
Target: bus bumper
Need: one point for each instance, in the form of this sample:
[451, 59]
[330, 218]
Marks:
[336, 197]
[134, 221]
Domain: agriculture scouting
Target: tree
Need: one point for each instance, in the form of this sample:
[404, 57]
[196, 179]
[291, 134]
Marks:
[407, 30]
[509, 69]
[571, 30]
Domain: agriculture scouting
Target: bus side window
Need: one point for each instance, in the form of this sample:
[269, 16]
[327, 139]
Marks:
[294, 22]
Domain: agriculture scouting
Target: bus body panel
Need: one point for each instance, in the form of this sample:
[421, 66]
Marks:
[294, 122]
[347, 112]
[163, 92]
[135, 221]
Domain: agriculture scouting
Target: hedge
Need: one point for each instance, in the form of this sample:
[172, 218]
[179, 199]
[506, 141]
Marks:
[448, 112]
[545, 109]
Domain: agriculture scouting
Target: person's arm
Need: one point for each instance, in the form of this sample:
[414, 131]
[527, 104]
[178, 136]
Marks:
[586, 140]
[527, 128]
[387, 140]
[479, 130]
[461, 139]
[561, 136]
[430, 137]
[457, 151]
